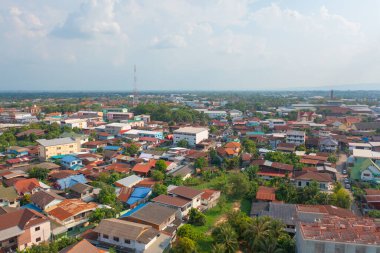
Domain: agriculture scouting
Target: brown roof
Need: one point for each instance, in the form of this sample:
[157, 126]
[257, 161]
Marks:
[326, 209]
[275, 165]
[207, 193]
[82, 247]
[62, 174]
[153, 213]
[310, 175]
[26, 185]
[43, 198]
[266, 193]
[127, 230]
[22, 218]
[233, 145]
[71, 207]
[185, 192]
[171, 201]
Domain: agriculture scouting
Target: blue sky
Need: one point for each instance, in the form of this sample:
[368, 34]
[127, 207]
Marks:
[188, 45]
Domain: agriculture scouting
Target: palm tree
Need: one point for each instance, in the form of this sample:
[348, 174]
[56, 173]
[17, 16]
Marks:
[226, 236]
[276, 228]
[257, 231]
[218, 248]
[269, 245]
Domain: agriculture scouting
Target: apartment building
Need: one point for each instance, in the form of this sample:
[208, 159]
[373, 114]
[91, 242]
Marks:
[78, 123]
[193, 135]
[135, 133]
[296, 137]
[116, 128]
[117, 116]
[55, 147]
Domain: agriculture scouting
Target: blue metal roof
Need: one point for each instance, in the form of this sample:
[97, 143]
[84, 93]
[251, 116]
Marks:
[130, 212]
[140, 192]
[69, 158]
[31, 206]
[70, 181]
[114, 148]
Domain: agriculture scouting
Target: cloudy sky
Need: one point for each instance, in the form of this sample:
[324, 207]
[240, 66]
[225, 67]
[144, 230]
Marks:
[188, 44]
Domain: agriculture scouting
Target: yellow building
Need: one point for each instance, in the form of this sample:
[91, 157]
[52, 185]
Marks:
[55, 147]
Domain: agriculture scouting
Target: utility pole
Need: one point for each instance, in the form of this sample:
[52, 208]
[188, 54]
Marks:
[135, 99]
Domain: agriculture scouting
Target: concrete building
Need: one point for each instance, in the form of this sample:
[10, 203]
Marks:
[296, 137]
[55, 147]
[117, 116]
[78, 123]
[134, 133]
[115, 128]
[193, 135]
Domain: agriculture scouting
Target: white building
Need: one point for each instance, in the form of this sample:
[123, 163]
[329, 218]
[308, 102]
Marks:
[115, 128]
[276, 122]
[79, 123]
[296, 137]
[213, 114]
[193, 135]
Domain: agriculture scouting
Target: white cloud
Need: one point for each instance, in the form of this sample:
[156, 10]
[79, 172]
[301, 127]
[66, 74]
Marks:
[169, 41]
[94, 17]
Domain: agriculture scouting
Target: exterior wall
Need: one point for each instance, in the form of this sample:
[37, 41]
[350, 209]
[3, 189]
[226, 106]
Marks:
[296, 139]
[119, 115]
[196, 202]
[366, 175]
[116, 129]
[4, 202]
[47, 152]
[191, 138]
[324, 186]
[134, 245]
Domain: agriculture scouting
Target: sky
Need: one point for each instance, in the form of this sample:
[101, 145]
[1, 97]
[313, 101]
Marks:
[188, 44]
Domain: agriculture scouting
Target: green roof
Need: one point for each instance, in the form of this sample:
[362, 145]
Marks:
[360, 165]
[8, 193]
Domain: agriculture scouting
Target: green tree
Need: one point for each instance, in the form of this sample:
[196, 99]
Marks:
[107, 195]
[249, 146]
[374, 214]
[239, 185]
[39, 173]
[183, 144]
[132, 149]
[159, 189]
[257, 231]
[184, 245]
[342, 198]
[158, 175]
[189, 231]
[332, 158]
[161, 165]
[196, 217]
[102, 213]
[200, 163]
[225, 235]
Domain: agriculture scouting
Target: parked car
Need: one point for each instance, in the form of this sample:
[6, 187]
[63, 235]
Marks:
[346, 180]
[344, 172]
[348, 186]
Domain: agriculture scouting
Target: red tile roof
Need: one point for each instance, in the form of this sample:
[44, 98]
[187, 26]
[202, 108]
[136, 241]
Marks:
[26, 185]
[266, 193]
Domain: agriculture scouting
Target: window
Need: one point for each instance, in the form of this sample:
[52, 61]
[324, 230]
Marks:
[127, 241]
[12, 240]
[38, 239]
[58, 148]
[116, 239]
[307, 183]
[105, 236]
[299, 183]
[37, 229]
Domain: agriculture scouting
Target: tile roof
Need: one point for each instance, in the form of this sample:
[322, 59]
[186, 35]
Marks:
[83, 246]
[142, 167]
[207, 193]
[8, 193]
[310, 175]
[127, 230]
[26, 185]
[56, 142]
[154, 213]
[171, 201]
[266, 193]
[185, 192]
[71, 207]
[43, 198]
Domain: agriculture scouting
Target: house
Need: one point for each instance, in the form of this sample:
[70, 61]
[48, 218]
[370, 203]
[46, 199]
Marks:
[268, 169]
[84, 192]
[365, 169]
[71, 162]
[184, 171]
[82, 246]
[103, 136]
[17, 151]
[306, 116]
[131, 236]
[116, 128]
[209, 198]
[9, 197]
[142, 169]
[19, 161]
[57, 147]
[266, 194]
[45, 199]
[138, 195]
[193, 135]
[69, 181]
[188, 193]
[129, 181]
[366, 126]
[181, 204]
[370, 201]
[23, 228]
[296, 137]
[336, 234]
[29, 186]
[328, 144]
[304, 178]
[157, 216]
[36, 132]
[71, 213]
[286, 147]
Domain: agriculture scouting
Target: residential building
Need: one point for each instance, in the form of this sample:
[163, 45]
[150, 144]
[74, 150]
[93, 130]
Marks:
[153, 214]
[269, 170]
[84, 192]
[193, 135]
[75, 123]
[266, 194]
[57, 147]
[135, 133]
[29, 186]
[117, 128]
[90, 114]
[71, 162]
[23, 228]
[306, 116]
[188, 193]
[45, 199]
[131, 236]
[9, 197]
[332, 234]
[296, 137]
[181, 204]
[304, 178]
[209, 198]
[328, 144]
[117, 116]
[129, 181]
[82, 246]
[276, 122]
[71, 213]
